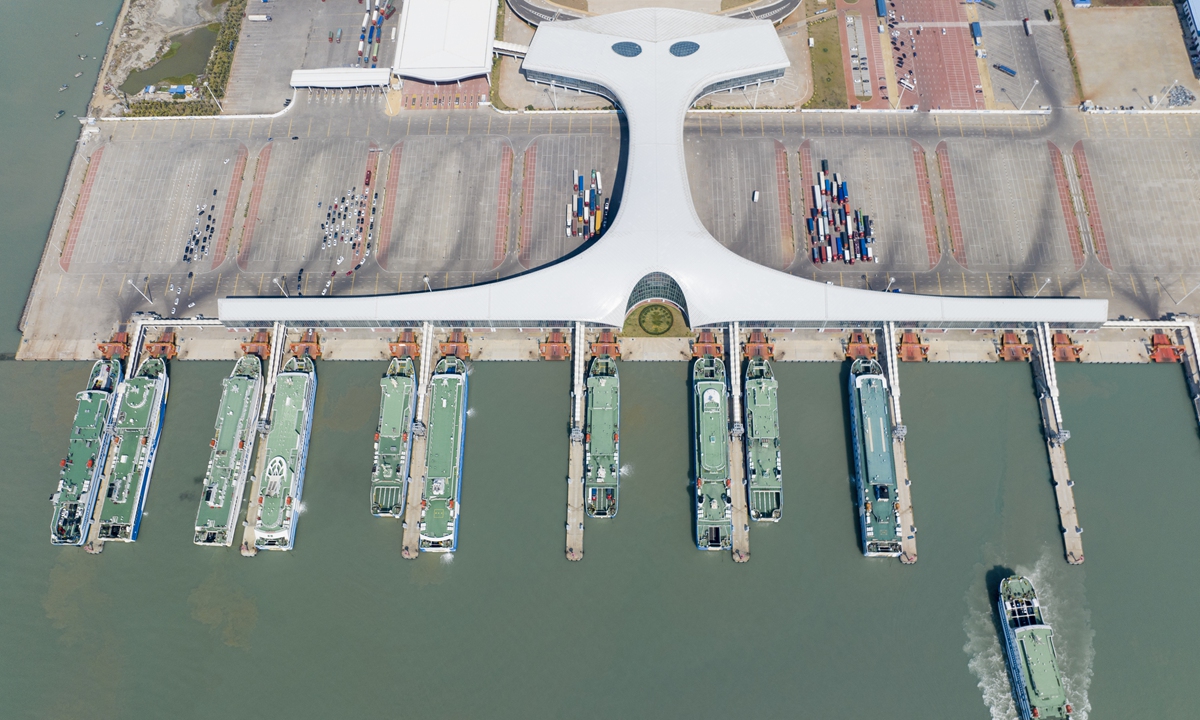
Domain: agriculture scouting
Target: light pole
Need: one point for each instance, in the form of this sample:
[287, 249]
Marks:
[1165, 93]
[276, 281]
[889, 285]
[425, 278]
[1035, 84]
[1043, 287]
[214, 97]
[139, 291]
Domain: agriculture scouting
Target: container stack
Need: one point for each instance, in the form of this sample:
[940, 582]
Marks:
[835, 232]
[585, 215]
[371, 34]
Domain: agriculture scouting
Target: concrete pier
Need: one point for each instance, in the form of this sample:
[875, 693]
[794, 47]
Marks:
[575, 512]
[737, 452]
[415, 482]
[1046, 381]
[908, 537]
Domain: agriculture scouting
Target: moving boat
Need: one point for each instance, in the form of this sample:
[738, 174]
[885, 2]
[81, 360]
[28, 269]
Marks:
[764, 467]
[714, 512]
[874, 467]
[393, 439]
[137, 426]
[440, 505]
[602, 441]
[232, 447]
[286, 450]
[82, 468]
[1032, 662]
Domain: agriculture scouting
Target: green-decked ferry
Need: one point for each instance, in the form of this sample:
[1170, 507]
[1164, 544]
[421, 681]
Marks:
[874, 467]
[1032, 662]
[232, 447]
[393, 439]
[137, 426]
[285, 452]
[714, 513]
[440, 504]
[82, 468]
[602, 441]
[764, 467]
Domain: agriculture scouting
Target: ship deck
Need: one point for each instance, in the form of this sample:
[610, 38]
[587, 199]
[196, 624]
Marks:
[235, 418]
[286, 441]
[443, 453]
[391, 455]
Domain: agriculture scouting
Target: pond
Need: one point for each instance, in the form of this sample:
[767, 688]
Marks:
[182, 63]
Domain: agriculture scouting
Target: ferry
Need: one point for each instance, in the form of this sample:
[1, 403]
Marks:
[137, 426]
[82, 468]
[393, 439]
[232, 447]
[440, 504]
[1032, 662]
[714, 513]
[286, 450]
[602, 441]
[874, 468]
[764, 466]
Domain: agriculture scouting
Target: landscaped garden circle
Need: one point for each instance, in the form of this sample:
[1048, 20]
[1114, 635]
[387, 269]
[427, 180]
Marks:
[655, 319]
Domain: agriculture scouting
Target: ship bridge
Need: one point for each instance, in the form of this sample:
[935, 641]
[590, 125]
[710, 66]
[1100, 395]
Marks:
[654, 63]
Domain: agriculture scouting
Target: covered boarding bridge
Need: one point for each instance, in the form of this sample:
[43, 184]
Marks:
[653, 63]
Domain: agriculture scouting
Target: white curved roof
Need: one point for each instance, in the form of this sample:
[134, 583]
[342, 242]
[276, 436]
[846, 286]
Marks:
[340, 77]
[445, 40]
[657, 228]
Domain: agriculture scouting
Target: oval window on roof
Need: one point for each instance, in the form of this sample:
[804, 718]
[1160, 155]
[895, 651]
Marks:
[684, 48]
[627, 49]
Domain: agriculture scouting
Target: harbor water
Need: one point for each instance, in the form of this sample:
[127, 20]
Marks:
[645, 625]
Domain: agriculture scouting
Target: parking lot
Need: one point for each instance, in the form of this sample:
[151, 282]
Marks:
[557, 158]
[142, 207]
[881, 179]
[297, 37]
[1009, 207]
[446, 204]
[1147, 192]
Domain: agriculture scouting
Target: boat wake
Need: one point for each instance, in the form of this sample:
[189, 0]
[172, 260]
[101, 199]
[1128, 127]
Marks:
[470, 412]
[1064, 605]
[447, 558]
[626, 470]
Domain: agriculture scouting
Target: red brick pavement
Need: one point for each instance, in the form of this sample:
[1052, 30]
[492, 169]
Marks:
[956, 237]
[231, 205]
[372, 167]
[389, 206]
[787, 249]
[463, 95]
[931, 244]
[260, 176]
[85, 194]
[505, 192]
[1064, 199]
[1089, 195]
[527, 203]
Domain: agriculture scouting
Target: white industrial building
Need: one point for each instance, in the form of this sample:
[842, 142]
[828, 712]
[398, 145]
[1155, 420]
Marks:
[654, 64]
[445, 40]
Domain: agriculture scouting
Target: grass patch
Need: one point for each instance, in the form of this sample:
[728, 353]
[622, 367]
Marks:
[189, 79]
[828, 75]
[813, 7]
[500, 22]
[1130, 3]
[170, 53]
[656, 320]
[213, 27]
[494, 90]
[580, 5]
[733, 4]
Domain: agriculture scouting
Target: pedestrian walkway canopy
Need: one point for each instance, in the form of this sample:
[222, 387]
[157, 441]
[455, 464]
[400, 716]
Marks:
[445, 40]
[655, 63]
[331, 78]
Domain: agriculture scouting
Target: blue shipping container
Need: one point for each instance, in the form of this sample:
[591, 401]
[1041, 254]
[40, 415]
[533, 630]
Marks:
[881, 8]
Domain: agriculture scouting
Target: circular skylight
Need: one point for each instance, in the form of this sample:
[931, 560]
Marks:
[628, 49]
[684, 48]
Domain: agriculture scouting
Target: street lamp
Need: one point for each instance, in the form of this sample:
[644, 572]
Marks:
[889, 285]
[1043, 287]
[1035, 84]
[139, 291]
[276, 281]
[425, 278]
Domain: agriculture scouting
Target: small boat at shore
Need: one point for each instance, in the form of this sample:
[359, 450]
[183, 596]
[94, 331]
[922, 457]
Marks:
[1032, 661]
[602, 441]
[59, 114]
[714, 511]
[232, 447]
[393, 438]
[440, 506]
[764, 466]
[64, 87]
[81, 470]
[137, 427]
[874, 467]
[286, 451]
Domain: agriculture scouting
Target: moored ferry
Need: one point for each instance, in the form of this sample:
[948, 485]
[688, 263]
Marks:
[874, 467]
[137, 427]
[602, 441]
[393, 438]
[1032, 661]
[232, 447]
[82, 468]
[714, 512]
[764, 465]
[440, 506]
[286, 450]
